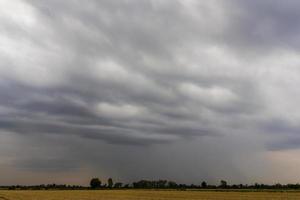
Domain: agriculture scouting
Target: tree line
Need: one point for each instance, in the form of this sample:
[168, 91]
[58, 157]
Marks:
[96, 183]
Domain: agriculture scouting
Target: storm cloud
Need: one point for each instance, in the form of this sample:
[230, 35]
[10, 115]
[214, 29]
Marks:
[193, 86]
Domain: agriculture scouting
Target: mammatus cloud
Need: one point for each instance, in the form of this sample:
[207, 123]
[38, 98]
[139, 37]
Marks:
[120, 80]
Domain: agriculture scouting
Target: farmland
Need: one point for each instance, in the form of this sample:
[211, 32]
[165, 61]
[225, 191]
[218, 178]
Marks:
[145, 195]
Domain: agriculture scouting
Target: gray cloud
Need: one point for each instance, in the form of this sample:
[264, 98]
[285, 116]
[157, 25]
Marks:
[144, 75]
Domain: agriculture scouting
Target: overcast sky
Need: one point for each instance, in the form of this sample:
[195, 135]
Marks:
[186, 90]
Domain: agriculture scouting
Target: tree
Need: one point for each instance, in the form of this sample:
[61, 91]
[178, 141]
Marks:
[161, 183]
[95, 183]
[203, 184]
[118, 185]
[172, 184]
[110, 183]
[223, 184]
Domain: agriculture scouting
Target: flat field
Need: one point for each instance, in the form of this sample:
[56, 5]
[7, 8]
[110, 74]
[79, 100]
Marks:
[145, 195]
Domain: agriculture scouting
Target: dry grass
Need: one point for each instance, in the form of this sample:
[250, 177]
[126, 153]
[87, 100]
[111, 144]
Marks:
[143, 195]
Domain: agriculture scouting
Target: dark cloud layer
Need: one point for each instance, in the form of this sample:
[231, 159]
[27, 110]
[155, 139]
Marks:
[135, 76]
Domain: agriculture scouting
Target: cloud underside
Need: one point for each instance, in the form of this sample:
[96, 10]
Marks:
[151, 72]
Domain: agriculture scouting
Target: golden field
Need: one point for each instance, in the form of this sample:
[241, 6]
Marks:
[143, 195]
